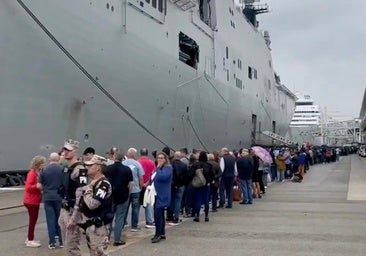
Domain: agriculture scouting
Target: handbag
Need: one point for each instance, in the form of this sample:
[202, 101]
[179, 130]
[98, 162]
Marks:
[236, 193]
[199, 180]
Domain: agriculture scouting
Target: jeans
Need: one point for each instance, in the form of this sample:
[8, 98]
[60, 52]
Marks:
[189, 199]
[226, 187]
[149, 211]
[201, 198]
[135, 209]
[174, 209]
[159, 221]
[213, 196]
[52, 211]
[273, 172]
[246, 188]
[280, 175]
[120, 214]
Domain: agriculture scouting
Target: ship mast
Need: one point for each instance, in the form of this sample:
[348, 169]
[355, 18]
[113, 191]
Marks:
[251, 10]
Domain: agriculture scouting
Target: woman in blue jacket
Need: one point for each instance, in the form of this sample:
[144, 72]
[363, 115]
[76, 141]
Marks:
[162, 182]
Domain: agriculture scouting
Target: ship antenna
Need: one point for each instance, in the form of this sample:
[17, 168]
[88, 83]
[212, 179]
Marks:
[87, 74]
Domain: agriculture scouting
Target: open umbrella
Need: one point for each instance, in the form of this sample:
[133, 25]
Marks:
[263, 154]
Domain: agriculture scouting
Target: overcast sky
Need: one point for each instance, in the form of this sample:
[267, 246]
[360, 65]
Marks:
[319, 48]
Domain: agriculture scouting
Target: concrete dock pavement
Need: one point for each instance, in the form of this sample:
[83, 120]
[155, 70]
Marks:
[312, 218]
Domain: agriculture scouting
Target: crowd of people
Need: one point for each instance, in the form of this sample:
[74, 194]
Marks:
[92, 195]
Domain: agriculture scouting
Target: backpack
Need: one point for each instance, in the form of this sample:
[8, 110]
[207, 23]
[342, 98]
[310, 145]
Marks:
[199, 180]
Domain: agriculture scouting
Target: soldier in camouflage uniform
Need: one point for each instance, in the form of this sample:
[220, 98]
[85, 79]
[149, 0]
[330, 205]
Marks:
[74, 178]
[95, 207]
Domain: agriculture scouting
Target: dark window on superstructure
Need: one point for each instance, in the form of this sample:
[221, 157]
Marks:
[227, 75]
[188, 50]
[254, 129]
[207, 15]
[227, 52]
[239, 83]
[160, 5]
[250, 72]
[255, 73]
[270, 63]
[147, 1]
[240, 64]
[269, 84]
[274, 126]
[153, 3]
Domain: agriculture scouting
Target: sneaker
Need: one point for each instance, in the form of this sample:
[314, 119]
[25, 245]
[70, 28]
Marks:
[156, 239]
[150, 225]
[162, 237]
[119, 243]
[33, 244]
[51, 246]
[135, 229]
[37, 241]
[60, 243]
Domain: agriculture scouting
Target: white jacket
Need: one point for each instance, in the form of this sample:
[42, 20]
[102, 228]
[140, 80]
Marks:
[150, 193]
[149, 196]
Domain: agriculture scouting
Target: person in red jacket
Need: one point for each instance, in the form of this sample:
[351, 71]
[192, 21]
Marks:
[32, 197]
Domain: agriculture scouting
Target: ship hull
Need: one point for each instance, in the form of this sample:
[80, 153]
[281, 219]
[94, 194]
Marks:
[156, 99]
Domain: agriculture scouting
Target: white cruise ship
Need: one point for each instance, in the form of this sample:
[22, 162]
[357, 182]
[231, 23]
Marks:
[306, 120]
[306, 113]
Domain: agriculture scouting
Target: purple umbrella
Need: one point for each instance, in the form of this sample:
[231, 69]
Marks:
[263, 154]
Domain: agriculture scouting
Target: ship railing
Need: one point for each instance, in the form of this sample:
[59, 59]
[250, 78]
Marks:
[185, 4]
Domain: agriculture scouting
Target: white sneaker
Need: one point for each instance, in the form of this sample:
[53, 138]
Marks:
[37, 241]
[33, 244]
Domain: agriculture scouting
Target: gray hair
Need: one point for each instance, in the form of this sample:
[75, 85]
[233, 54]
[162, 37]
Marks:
[119, 157]
[225, 151]
[54, 157]
[210, 157]
[177, 155]
[131, 153]
[144, 152]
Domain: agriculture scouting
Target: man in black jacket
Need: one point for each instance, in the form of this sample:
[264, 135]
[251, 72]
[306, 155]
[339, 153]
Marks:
[120, 177]
[228, 167]
[245, 172]
[180, 178]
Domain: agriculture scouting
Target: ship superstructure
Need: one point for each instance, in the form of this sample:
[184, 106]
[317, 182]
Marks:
[306, 112]
[141, 73]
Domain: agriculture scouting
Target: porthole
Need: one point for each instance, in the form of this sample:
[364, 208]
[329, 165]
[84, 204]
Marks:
[107, 5]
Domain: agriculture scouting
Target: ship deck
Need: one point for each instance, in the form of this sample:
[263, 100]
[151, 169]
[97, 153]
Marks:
[323, 215]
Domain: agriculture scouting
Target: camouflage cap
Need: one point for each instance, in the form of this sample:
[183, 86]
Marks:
[96, 160]
[71, 144]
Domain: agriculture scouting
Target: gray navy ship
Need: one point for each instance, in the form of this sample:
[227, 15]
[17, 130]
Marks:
[141, 73]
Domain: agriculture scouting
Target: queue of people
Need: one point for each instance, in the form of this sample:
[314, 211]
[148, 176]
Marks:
[92, 195]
